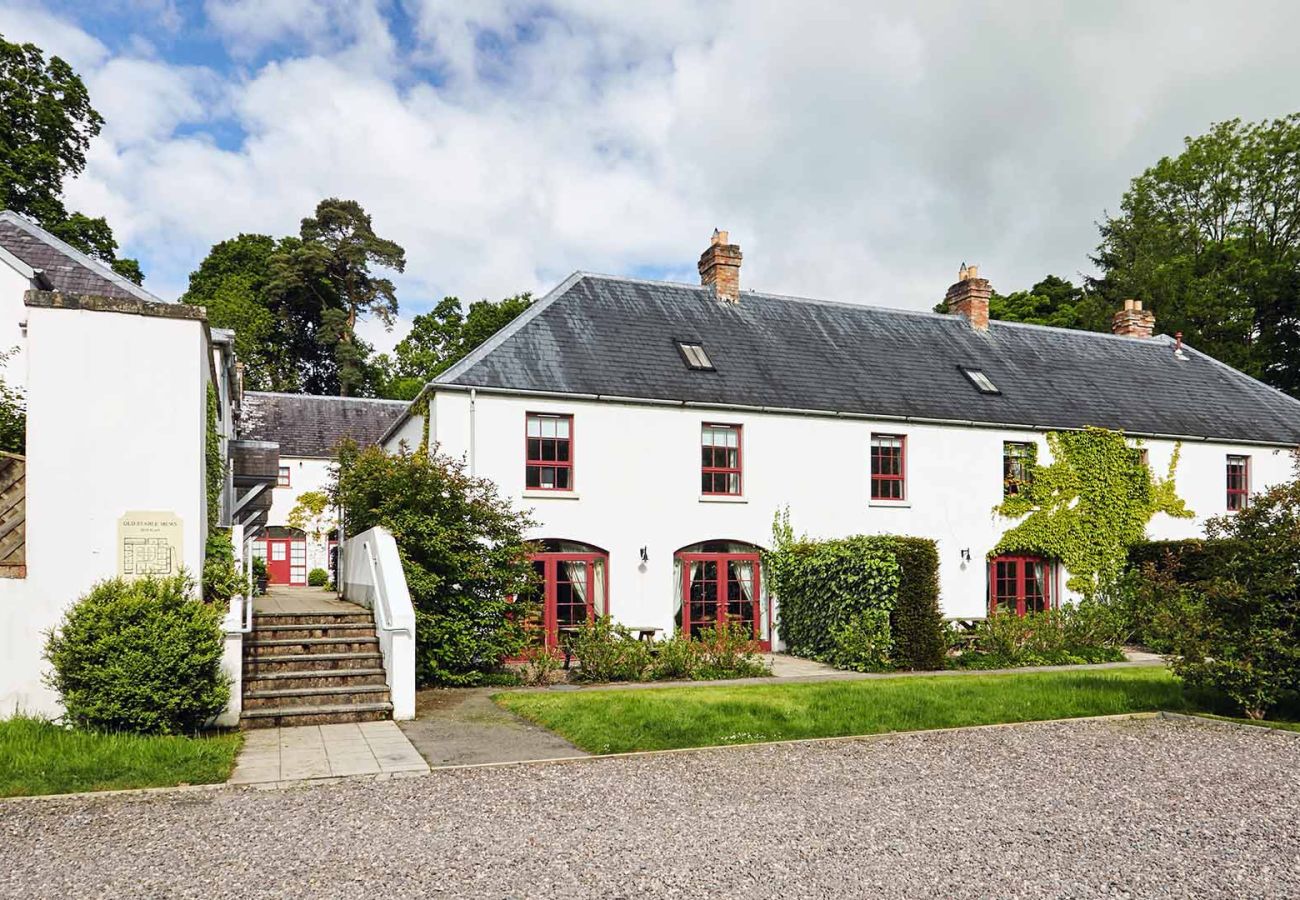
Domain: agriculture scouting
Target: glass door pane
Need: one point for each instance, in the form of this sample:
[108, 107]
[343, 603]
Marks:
[742, 605]
[703, 596]
[572, 588]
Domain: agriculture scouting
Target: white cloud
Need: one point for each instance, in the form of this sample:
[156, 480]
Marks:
[855, 152]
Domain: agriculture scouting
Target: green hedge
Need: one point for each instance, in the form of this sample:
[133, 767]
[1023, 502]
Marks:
[827, 591]
[916, 622]
[1189, 561]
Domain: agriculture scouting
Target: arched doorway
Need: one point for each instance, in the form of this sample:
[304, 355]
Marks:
[718, 582]
[285, 551]
[572, 586]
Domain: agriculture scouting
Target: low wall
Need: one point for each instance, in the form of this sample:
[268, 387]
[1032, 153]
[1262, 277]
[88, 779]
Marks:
[372, 577]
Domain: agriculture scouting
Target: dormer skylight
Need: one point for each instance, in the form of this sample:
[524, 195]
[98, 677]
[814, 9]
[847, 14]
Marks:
[695, 356]
[982, 382]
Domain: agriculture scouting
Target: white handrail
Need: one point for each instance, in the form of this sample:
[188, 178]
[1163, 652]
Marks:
[383, 612]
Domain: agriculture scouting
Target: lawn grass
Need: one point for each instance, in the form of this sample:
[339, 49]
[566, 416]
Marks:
[1260, 723]
[670, 718]
[39, 757]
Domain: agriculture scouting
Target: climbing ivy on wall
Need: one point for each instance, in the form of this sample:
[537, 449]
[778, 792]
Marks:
[1088, 506]
[214, 470]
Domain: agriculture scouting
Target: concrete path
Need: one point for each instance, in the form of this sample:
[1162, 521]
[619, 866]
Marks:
[462, 726]
[273, 755]
[282, 600]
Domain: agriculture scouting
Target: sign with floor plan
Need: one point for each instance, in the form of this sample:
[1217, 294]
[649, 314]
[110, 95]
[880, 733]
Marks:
[149, 543]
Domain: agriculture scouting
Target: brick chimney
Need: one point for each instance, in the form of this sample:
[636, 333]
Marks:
[1133, 320]
[720, 268]
[969, 297]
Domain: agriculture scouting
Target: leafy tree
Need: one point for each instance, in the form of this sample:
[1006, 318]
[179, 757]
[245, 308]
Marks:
[327, 271]
[1210, 240]
[440, 338]
[1053, 301]
[463, 553]
[46, 125]
[13, 413]
[313, 514]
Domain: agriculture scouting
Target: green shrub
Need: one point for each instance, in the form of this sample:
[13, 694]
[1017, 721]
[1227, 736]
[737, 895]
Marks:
[1086, 633]
[729, 651]
[540, 664]
[676, 659]
[609, 652]
[259, 571]
[462, 549]
[139, 656]
[221, 580]
[318, 578]
[862, 644]
[1190, 561]
[916, 625]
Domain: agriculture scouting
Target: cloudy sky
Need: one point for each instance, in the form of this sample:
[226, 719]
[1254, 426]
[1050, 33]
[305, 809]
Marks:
[855, 151]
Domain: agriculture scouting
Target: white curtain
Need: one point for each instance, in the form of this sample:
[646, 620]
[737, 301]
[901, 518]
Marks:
[598, 586]
[576, 570]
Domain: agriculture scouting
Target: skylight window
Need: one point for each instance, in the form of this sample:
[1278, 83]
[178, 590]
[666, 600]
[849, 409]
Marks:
[982, 382]
[695, 356]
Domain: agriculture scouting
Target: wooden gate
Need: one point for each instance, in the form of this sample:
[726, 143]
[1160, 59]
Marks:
[13, 516]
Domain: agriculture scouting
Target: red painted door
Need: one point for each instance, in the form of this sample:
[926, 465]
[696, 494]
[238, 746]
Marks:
[719, 588]
[277, 560]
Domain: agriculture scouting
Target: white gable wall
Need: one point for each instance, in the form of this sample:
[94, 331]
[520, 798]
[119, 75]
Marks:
[305, 474]
[637, 484]
[116, 422]
[13, 313]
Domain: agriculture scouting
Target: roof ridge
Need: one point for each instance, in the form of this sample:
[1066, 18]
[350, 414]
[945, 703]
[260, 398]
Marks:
[89, 262]
[325, 397]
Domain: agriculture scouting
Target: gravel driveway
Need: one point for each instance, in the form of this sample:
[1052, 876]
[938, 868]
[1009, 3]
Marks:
[1079, 809]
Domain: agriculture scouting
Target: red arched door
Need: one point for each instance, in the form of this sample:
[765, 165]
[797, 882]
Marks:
[721, 587]
[572, 587]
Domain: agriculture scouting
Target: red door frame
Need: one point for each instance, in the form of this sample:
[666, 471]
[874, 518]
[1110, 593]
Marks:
[1022, 579]
[281, 571]
[550, 607]
[722, 559]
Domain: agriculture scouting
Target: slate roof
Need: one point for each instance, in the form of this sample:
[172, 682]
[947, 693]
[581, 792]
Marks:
[312, 426]
[600, 335]
[65, 268]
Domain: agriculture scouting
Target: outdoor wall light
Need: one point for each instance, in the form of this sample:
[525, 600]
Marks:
[645, 557]
[965, 555]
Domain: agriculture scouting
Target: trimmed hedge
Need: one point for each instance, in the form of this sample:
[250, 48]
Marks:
[1190, 560]
[918, 626]
[830, 588]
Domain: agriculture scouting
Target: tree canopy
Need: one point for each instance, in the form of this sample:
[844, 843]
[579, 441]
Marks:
[440, 338]
[46, 125]
[1210, 241]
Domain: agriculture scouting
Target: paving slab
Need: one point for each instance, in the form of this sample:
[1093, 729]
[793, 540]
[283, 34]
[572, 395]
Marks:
[325, 751]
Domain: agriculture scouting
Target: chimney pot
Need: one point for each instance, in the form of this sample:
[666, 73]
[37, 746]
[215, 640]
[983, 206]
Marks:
[1133, 320]
[720, 267]
[969, 297]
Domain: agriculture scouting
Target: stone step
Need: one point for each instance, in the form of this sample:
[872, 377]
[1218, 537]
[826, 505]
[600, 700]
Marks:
[316, 696]
[313, 619]
[333, 629]
[289, 716]
[299, 646]
[322, 663]
[270, 681]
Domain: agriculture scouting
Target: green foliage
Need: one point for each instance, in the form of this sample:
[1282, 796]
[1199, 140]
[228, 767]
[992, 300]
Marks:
[1090, 632]
[312, 513]
[862, 643]
[46, 125]
[1053, 301]
[462, 550]
[221, 580]
[1210, 240]
[139, 656]
[607, 651]
[214, 467]
[1088, 506]
[13, 414]
[540, 666]
[916, 623]
[294, 302]
[442, 337]
[318, 577]
[259, 572]
[728, 651]
[1241, 634]
[822, 585]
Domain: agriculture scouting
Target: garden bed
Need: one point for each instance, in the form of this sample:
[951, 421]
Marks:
[39, 757]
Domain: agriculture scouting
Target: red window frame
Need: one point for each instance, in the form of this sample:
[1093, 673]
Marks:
[283, 477]
[711, 473]
[534, 456]
[884, 483]
[549, 599]
[1237, 475]
[1010, 578]
[720, 581]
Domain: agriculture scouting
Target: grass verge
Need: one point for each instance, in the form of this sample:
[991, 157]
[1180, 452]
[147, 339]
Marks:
[39, 757]
[671, 718]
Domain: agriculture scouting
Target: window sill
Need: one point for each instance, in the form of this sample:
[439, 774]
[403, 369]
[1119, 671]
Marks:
[723, 498]
[898, 504]
[551, 495]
